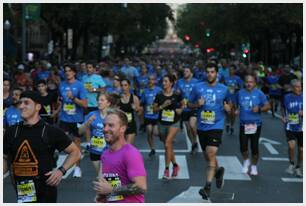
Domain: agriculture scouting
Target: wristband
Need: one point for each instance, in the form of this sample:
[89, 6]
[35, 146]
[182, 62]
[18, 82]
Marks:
[62, 169]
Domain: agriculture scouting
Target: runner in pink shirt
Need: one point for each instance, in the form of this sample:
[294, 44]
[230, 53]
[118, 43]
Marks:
[123, 177]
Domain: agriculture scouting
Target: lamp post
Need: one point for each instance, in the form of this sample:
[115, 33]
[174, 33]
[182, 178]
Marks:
[7, 26]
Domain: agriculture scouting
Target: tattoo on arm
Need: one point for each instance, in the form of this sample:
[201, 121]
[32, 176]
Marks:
[130, 189]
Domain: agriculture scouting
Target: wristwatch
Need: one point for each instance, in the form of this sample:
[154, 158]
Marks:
[62, 169]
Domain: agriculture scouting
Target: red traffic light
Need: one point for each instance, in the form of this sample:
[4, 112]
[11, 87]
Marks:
[246, 51]
[187, 37]
[208, 50]
[197, 46]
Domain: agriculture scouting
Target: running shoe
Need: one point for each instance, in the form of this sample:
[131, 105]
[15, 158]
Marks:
[245, 167]
[219, 177]
[175, 170]
[232, 130]
[77, 172]
[205, 193]
[290, 169]
[194, 148]
[298, 172]
[254, 170]
[227, 129]
[166, 175]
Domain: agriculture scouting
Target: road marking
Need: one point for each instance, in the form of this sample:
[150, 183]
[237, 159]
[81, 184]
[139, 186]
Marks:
[232, 167]
[270, 148]
[292, 179]
[60, 161]
[163, 151]
[275, 158]
[191, 196]
[261, 139]
[181, 161]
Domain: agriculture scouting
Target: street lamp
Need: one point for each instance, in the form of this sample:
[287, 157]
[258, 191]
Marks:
[7, 26]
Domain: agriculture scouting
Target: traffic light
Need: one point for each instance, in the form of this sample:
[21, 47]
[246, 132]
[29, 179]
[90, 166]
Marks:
[208, 50]
[187, 37]
[245, 53]
[207, 33]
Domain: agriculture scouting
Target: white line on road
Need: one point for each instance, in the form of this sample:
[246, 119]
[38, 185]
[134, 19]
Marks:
[191, 195]
[232, 167]
[292, 179]
[270, 148]
[60, 161]
[181, 161]
[275, 158]
[163, 151]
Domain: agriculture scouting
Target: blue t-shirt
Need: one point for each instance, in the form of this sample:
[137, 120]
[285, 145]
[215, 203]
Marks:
[233, 83]
[247, 100]
[43, 75]
[12, 116]
[72, 112]
[97, 141]
[272, 82]
[114, 90]
[224, 72]
[147, 99]
[293, 104]
[211, 114]
[185, 88]
[93, 81]
[131, 73]
[141, 82]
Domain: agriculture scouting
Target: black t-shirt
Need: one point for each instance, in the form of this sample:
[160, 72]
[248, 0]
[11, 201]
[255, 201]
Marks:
[30, 153]
[285, 79]
[48, 106]
[168, 115]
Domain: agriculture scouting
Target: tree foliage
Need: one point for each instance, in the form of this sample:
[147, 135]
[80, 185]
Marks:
[232, 24]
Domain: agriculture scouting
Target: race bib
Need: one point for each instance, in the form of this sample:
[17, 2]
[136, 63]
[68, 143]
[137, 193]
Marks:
[115, 182]
[293, 118]
[70, 109]
[129, 116]
[149, 109]
[208, 117]
[231, 89]
[48, 109]
[97, 143]
[88, 85]
[273, 86]
[250, 128]
[26, 191]
[168, 115]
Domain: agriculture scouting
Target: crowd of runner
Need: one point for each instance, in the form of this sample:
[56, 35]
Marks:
[107, 104]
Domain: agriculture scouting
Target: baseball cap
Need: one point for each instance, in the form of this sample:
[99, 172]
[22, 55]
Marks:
[31, 95]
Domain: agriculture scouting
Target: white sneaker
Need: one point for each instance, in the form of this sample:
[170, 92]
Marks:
[254, 170]
[298, 172]
[245, 167]
[290, 169]
[77, 172]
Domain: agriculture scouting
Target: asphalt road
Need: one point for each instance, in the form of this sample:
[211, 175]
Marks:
[272, 185]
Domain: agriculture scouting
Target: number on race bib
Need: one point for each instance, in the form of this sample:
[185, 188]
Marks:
[250, 128]
[26, 191]
[208, 117]
[70, 109]
[168, 115]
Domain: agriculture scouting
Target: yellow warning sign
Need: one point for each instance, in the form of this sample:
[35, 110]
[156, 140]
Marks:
[25, 163]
